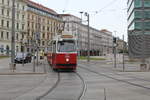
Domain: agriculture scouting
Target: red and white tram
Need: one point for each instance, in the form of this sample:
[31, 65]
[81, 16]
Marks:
[62, 53]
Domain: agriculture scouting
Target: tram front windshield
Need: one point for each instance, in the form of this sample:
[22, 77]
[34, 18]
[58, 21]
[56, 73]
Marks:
[66, 46]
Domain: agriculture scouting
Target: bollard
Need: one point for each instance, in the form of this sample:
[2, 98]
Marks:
[12, 66]
[143, 67]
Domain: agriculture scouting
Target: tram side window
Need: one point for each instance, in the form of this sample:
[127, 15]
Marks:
[50, 48]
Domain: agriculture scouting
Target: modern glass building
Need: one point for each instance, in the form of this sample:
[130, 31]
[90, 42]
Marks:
[138, 16]
[139, 28]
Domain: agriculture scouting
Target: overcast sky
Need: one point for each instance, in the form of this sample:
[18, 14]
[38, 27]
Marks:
[111, 14]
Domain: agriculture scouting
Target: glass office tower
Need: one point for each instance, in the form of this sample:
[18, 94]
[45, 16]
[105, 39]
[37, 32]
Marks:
[137, 11]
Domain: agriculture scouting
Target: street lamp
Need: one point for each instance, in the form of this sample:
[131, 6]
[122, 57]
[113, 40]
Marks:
[81, 12]
[88, 49]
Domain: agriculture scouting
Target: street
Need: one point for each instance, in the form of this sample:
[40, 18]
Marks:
[92, 81]
[105, 45]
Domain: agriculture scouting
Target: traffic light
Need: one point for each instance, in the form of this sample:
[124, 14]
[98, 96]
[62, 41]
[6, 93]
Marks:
[114, 40]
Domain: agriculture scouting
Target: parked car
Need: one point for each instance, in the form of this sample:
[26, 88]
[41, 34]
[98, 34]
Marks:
[23, 58]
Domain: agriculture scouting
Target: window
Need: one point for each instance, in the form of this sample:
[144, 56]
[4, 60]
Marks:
[43, 35]
[43, 28]
[2, 35]
[18, 5]
[66, 46]
[2, 22]
[8, 2]
[147, 25]
[17, 25]
[2, 1]
[43, 20]
[138, 3]
[17, 16]
[23, 17]
[36, 25]
[22, 36]
[23, 8]
[147, 14]
[2, 48]
[48, 22]
[32, 25]
[43, 43]
[23, 26]
[17, 37]
[146, 3]
[32, 17]
[7, 24]
[7, 35]
[2, 11]
[138, 14]
[47, 28]
[7, 12]
[28, 16]
[28, 24]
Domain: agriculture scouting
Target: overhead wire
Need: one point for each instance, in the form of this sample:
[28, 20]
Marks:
[95, 12]
[107, 5]
[65, 6]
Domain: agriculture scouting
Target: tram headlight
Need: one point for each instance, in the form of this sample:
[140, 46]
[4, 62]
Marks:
[67, 60]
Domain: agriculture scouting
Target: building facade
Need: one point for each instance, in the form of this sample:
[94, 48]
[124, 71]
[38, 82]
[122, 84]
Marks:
[121, 45]
[100, 41]
[107, 42]
[137, 11]
[6, 25]
[139, 28]
[42, 25]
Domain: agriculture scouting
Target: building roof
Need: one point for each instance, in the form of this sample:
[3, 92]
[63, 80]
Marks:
[69, 15]
[106, 31]
[37, 5]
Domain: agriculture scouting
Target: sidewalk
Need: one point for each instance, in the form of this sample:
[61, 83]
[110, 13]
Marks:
[23, 84]
[22, 68]
[131, 69]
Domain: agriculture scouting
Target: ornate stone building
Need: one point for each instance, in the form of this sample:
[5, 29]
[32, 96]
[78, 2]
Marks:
[101, 41]
[42, 24]
[6, 24]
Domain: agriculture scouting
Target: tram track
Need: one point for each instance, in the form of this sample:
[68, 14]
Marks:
[84, 88]
[51, 89]
[110, 77]
[58, 83]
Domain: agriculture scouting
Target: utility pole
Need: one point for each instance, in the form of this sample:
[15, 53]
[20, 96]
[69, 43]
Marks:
[13, 37]
[123, 53]
[88, 51]
[38, 40]
[114, 48]
[34, 42]
[81, 34]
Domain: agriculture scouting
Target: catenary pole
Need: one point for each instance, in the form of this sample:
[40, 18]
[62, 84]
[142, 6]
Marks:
[13, 36]
[88, 51]
[123, 53]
